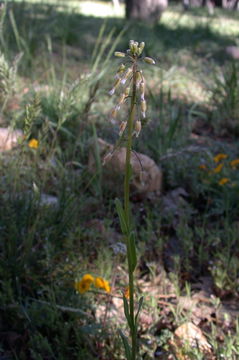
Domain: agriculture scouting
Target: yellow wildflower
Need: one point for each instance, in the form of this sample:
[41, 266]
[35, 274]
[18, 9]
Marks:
[101, 283]
[234, 163]
[223, 181]
[88, 278]
[82, 286]
[218, 168]
[126, 293]
[202, 167]
[33, 144]
[219, 157]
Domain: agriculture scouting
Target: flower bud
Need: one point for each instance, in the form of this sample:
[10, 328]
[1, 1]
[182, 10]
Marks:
[127, 91]
[126, 75]
[121, 67]
[149, 60]
[135, 48]
[122, 127]
[131, 44]
[116, 84]
[143, 108]
[120, 70]
[137, 128]
[141, 48]
[114, 112]
[142, 90]
[138, 78]
[119, 54]
[121, 99]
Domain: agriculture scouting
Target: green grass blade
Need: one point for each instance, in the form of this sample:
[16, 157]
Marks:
[126, 345]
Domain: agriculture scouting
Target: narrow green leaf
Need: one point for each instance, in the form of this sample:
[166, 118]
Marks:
[132, 252]
[126, 345]
[139, 308]
[126, 312]
[121, 215]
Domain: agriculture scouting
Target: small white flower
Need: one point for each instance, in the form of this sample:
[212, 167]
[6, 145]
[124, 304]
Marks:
[112, 91]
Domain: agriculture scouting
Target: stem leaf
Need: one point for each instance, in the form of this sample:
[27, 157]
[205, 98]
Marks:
[139, 308]
[126, 312]
[126, 345]
[132, 252]
[121, 214]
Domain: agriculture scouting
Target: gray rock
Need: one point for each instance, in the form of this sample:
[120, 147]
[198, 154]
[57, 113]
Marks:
[233, 51]
[9, 138]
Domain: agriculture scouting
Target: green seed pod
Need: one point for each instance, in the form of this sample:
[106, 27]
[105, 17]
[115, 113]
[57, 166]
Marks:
[135, 48]
[121, 99]
[119, 54]
[131, 44]
[142, 90]
[141, 46]
[116, 84]
[137, 128]
[122, 127]
[149, 60]
[127, 91]
[120, 70]
[126, 75]
[138, 78]
[143, 108]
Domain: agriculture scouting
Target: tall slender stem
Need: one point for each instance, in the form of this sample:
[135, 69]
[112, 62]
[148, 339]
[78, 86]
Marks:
[130, 126]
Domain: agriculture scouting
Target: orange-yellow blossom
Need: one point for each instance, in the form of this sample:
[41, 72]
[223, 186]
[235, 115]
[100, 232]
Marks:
[33, 144]
[84, 284]
[88, 278]
[127, 293]
[223, 181]
[234, 163]
[218, 168]
[101, 283]
[219, 157]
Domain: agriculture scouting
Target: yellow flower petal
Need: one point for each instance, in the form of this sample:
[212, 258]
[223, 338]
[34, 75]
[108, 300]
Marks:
[33, 144]
[219, 157]
[101, 283]
[106, 286]
[88, 278]
[223, 181]
[126, 293]
[82, 286]
[218, 168]
[234, 163]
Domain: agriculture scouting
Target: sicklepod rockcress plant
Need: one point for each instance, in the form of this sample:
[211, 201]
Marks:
[130, 78]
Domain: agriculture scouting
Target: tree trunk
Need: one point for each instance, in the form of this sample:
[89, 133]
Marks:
[146, 10]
